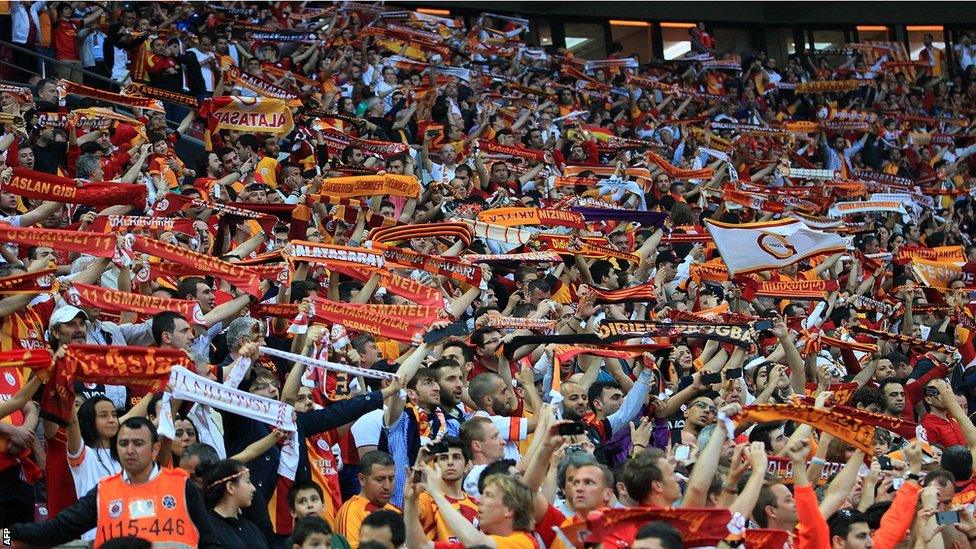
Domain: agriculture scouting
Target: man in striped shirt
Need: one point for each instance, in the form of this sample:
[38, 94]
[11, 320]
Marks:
[376, 473]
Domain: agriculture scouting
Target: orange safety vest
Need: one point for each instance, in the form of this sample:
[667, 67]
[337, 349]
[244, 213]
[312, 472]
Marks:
[155, 511]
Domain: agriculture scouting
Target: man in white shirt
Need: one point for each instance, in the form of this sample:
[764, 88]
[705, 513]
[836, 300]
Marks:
[483, 445]
[25, 29]
[964, 51]
[203, 50]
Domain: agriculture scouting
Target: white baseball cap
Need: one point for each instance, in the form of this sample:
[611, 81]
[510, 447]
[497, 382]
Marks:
[64, 314]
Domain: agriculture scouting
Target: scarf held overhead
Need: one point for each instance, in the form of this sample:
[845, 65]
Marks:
[241, 277]
[113, 301]
[508, 217]
[247, 114]
[188, 386]
[406, 186]
[381, 320]
[41, 281]
[44, 186]
[147, 367]
[454, 269]
[752, 247]
[98, 245]
[66, 88]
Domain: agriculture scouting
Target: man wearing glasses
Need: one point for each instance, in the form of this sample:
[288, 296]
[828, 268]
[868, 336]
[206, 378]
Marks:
[698, 414]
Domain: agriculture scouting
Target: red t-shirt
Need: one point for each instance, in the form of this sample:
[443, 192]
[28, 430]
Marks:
[66, 40]
[945, 432]
[60, 495]
[553, 517]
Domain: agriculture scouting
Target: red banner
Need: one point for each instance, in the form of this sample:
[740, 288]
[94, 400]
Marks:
[510, 217]
[914, 342]
[246, 114]
[641, 292]
[35, 359]
[445, 266]
[67, 87]
[678, 173]
[235, 76]
[242, 277]
[597, 248]
[30, 283]
[98, 245]
[842, 393]
[406, 186]
[276, 310]
[390, 235]
[330, 254]
[786, 289]
[941, 253]
[113, 301]
[172, 203]
[490, 146]
[130, 223]
[398, 285]
[45, 186]
[398, 322]
[145, 90]
[122, 365]
[147, 367]
[336, 141]
[766, 538]
[848, 424]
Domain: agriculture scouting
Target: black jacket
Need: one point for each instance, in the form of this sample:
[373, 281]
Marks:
[237, 532]
[240, 431]
[81, 517]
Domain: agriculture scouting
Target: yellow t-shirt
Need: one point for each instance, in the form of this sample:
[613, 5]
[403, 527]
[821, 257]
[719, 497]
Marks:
[515, 540]
[267, 172]
[351, 515]
[433, 522]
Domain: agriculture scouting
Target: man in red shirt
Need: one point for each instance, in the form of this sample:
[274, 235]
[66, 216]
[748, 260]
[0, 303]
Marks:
[65, 37]
[486, 342]
[940, 423]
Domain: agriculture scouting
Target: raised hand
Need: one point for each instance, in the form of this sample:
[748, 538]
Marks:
[758, 460]
[798, 453]
[640, 435]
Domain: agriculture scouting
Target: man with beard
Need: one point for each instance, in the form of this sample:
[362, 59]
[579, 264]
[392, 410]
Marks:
[418, 423]
[698, 414]
[837, 154]
[610, 410]
[68, 325]
[451, 461]
[574, 400]
[452, 388]
[894, 393]
[494, 398]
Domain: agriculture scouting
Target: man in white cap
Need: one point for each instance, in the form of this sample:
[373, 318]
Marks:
[69, 325]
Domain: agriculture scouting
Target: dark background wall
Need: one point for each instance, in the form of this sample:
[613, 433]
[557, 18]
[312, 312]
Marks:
[757, 12]
[591, 29]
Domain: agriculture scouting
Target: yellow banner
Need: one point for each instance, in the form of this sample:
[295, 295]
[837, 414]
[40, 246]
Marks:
[939, 274]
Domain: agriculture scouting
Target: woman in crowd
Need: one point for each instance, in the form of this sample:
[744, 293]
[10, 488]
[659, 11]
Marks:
[227, 491]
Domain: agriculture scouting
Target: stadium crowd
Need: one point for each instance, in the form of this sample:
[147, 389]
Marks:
[283, 275]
